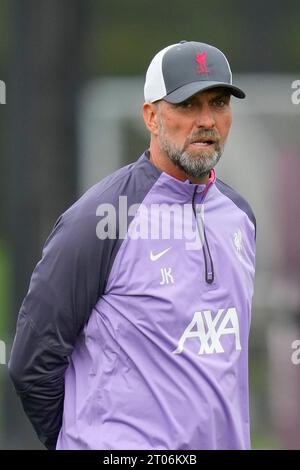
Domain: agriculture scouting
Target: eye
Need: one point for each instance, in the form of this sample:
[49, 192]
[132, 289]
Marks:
[221, 101]
[186, 104]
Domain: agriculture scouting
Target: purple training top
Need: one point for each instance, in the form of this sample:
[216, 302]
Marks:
[140, 341]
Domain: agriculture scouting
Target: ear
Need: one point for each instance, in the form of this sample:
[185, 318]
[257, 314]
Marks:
[150, 114]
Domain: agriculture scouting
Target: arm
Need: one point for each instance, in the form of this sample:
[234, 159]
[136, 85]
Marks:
[64, 288]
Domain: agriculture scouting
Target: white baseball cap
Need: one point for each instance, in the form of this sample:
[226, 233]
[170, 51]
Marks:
[180, 70]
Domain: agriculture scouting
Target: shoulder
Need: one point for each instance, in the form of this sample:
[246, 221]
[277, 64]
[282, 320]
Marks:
[133, 181]
[237, 199]
[77, 225]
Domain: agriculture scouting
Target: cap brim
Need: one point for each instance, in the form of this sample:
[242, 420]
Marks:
[186, 91]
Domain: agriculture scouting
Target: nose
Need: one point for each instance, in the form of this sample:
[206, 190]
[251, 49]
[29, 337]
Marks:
[205, 116]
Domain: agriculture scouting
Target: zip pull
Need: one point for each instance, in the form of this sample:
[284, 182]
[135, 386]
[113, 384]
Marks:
[209, 267]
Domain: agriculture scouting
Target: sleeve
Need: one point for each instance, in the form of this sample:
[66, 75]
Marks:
[64, 288]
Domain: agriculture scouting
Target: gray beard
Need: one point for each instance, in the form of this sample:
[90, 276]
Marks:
[195, 166]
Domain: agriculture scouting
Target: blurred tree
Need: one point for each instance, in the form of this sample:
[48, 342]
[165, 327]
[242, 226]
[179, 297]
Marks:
[44, 82]
[257, 36]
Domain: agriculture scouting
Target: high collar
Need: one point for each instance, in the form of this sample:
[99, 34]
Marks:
[185, 187]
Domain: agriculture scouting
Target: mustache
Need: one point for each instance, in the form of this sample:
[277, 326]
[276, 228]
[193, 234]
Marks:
[204, 134]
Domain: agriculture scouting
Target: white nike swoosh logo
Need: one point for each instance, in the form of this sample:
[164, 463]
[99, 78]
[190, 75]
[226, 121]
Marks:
[154, 257]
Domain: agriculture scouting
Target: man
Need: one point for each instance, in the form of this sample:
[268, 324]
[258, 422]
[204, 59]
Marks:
[137, 337]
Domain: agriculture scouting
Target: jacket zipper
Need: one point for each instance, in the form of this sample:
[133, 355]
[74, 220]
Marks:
[209, 266]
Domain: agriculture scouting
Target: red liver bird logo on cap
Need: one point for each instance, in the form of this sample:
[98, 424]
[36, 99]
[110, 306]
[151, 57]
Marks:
[201, 60]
